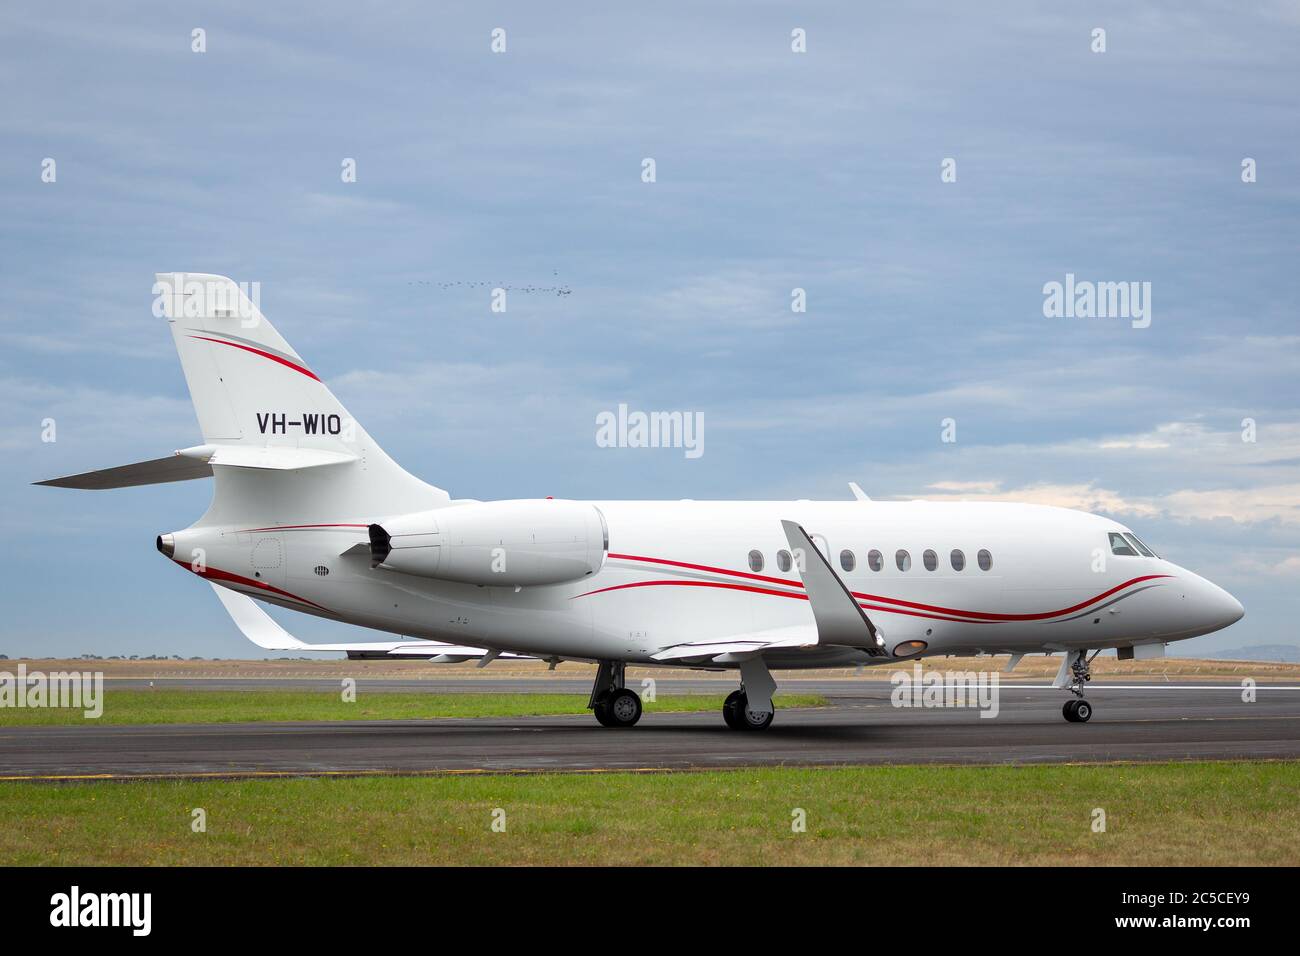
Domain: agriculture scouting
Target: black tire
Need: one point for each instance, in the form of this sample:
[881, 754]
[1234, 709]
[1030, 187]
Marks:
[1068, 711]
[1082, 711]
[601, 710]
[623, 708]
[729, 712]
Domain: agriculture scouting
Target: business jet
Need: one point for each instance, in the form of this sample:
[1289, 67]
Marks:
[308, 513]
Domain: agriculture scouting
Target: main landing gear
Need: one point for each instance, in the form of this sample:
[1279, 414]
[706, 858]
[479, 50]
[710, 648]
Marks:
[750, 708]
[1078, 666]
[612, 703]
[738, 715]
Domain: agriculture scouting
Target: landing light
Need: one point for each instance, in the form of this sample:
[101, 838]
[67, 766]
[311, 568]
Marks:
[907, 648]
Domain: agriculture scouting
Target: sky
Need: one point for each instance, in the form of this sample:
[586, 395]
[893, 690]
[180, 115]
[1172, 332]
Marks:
[775, 170]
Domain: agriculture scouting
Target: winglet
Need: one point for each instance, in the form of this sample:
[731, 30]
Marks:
[858, 493]
[258, 626]
[840, 619]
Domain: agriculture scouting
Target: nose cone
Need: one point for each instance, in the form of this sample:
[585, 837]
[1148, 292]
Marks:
[1216, 606]
[1230, 608]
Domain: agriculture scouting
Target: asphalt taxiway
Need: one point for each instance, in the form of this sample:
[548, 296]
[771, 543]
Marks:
[1133, 722]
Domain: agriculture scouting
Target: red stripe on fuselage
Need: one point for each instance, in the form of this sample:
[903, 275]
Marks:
[895, 603]
[274, 358]
[216, 574]
[297, 527]
[755, 590]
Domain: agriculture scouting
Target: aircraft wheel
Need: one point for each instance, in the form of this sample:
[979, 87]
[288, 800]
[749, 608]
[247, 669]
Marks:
[623, 708]
[729, 709]
[601, 710]
[747, 719]
[1077, 711]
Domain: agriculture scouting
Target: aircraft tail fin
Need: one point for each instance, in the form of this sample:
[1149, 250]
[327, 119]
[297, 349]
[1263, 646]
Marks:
[267, 416]
[246, 381]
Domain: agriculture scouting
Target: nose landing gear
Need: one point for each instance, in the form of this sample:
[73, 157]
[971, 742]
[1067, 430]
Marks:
[1078, 667]
[1077, 711]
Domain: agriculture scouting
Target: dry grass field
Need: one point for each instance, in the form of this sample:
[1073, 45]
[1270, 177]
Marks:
[1031, 669]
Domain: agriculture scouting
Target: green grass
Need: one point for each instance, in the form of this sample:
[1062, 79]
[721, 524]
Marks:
[1157, 814]
[203, 706]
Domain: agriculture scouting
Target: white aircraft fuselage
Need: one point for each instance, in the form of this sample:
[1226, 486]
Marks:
[310, 514]
[678, 572]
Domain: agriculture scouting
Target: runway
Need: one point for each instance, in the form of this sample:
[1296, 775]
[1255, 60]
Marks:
[860, 726]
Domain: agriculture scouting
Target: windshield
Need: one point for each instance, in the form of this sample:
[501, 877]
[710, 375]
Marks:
[1126, 544]
[1142, 548]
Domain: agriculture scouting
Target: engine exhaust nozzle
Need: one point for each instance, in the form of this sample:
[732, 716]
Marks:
[380, 545]
[166, 545]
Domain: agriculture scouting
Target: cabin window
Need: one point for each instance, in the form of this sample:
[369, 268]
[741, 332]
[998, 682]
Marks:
[985, 559]
[958, 560]
[756, 560]
[1121, 547]
[847, 561]
[784, 561]
[903, 560]
[931, 560]
[1143, 550]
[875, 560]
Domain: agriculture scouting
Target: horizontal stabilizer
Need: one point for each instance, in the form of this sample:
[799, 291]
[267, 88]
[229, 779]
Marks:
[273, 457]
[197, 462]
[158, 471]
[260, 628]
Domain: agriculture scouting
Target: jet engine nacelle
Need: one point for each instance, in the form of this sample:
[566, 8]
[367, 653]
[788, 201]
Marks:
[495, 543]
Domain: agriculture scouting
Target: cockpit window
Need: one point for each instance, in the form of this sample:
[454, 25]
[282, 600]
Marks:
[1119, 546]
[1132, 539]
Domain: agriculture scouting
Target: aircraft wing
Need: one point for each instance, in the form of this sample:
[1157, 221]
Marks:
[260, 628]
[736, 647]
[840, 619]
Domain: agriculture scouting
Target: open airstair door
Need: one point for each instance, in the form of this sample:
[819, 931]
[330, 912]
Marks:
[840, 619]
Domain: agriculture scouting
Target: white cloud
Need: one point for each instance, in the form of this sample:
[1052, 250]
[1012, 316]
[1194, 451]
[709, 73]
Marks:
[1241, 505]
[1082, 497]
[966, 487]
